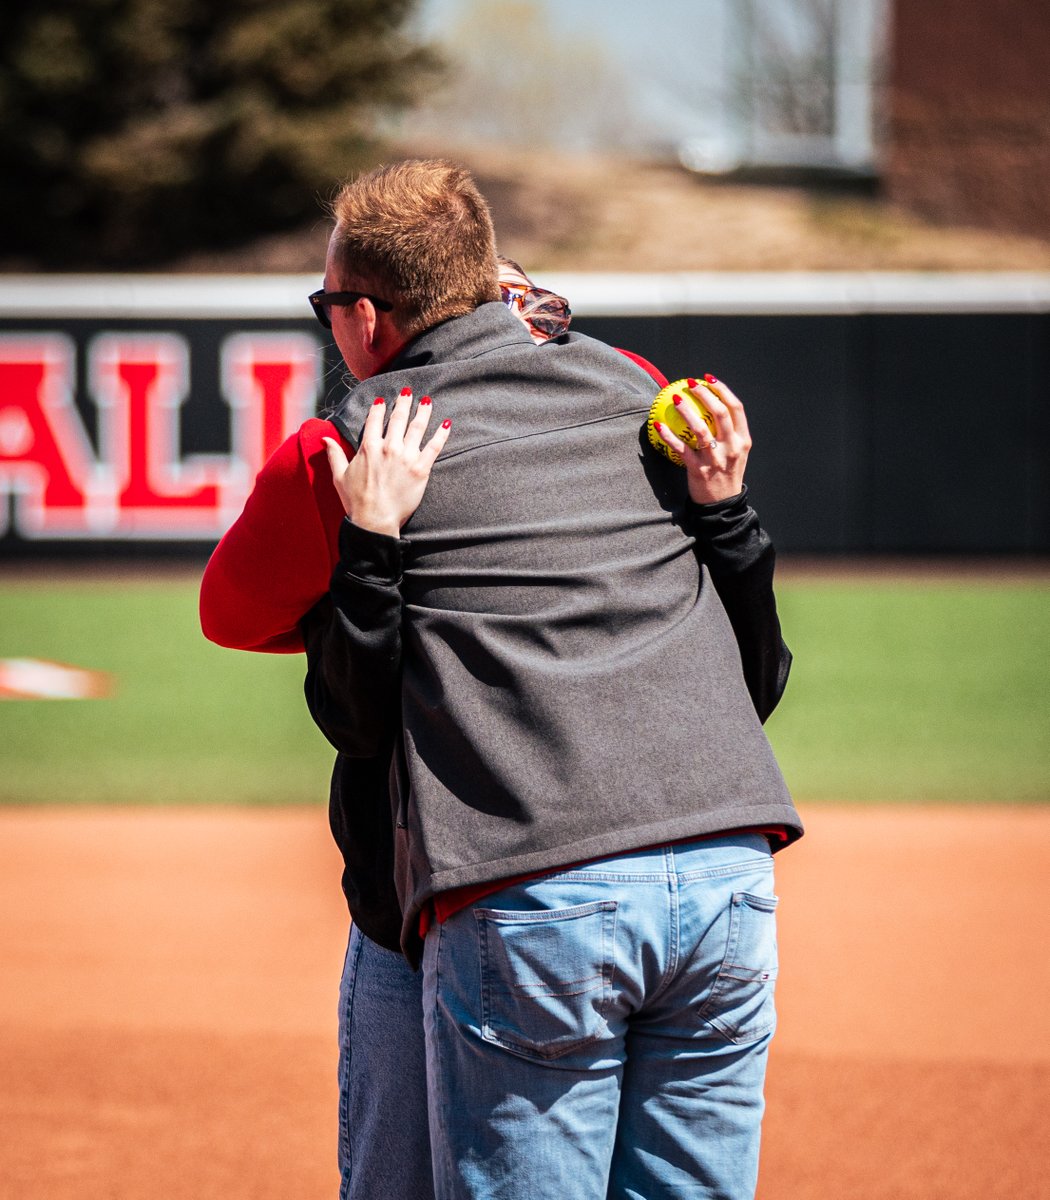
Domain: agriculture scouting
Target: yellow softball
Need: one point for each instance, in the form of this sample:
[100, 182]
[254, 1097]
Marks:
[666, 412]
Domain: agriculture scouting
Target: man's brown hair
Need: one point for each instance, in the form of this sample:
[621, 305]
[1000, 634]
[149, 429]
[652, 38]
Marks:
[417, 233]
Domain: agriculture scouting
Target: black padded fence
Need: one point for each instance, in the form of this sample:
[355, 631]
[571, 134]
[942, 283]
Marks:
[892, 416]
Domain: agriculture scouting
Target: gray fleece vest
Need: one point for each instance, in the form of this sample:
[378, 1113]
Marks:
[571, 684]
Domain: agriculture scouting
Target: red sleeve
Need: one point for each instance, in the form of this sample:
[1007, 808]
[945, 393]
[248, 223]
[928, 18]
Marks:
[657, 375]
[275, 561]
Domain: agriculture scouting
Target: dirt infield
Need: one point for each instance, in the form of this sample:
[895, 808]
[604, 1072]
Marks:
[167, 1007]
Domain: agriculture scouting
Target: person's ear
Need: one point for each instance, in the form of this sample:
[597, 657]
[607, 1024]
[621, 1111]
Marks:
[370, 326]
[383, 337]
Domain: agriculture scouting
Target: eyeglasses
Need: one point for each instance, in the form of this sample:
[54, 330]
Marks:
[321, 301]
[546, 312]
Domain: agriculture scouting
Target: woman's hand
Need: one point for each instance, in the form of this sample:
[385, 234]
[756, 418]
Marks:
[382, 485]
[715, 466]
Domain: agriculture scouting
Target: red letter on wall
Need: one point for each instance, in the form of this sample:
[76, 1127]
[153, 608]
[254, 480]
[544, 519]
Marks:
[140, 383]
[270, 382]
[46, 460]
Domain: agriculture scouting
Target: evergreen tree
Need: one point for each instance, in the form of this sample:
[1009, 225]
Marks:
[132, 131]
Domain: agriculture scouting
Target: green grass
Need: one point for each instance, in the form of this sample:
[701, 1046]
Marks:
[187, 722]
[901, 691]
[916, 691]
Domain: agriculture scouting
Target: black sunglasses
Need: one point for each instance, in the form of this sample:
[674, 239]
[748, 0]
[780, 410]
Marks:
[321, 301]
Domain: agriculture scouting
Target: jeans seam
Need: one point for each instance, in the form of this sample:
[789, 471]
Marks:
[344, 1098]
[737, 868]
[673, 915]
[582, 876]
[546, 916]
[446, 1141]
[609, 965]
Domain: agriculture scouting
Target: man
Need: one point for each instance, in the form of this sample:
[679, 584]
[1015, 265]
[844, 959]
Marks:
[583, 796]
[264, 587]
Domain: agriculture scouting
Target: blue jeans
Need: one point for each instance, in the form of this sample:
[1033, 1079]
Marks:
[603, 1031]
[384, 1145]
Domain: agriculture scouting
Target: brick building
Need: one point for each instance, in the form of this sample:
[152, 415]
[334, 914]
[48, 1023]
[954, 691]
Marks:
[968, 114]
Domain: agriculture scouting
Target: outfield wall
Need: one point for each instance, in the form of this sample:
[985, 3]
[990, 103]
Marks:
[892, 414]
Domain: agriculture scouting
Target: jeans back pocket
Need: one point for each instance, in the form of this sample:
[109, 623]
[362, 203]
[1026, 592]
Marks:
[546, 977]
[741, 1005]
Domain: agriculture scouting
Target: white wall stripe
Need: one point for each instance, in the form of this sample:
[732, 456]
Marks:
[283, 297]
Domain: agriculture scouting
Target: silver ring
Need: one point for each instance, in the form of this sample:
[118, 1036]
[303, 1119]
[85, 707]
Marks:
[712, 444]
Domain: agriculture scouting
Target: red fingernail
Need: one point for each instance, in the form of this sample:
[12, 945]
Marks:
[446, 424]
[425, 400]
[710, 379]
[691, 383]
[406, 391]
[380, 400]
[677, 400]
[657, 425]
